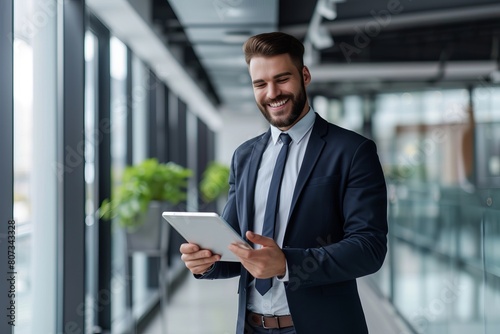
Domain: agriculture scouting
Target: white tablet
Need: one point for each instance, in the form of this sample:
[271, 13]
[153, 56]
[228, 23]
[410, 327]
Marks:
[208, 230]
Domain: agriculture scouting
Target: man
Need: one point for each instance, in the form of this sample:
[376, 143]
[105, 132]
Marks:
[330, 225]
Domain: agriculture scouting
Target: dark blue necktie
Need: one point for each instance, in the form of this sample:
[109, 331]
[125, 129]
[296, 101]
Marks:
[263, 285]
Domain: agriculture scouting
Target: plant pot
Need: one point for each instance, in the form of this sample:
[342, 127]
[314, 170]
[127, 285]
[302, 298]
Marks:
[152, 235]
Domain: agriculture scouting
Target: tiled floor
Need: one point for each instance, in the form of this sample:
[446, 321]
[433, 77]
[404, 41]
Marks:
[210, 307]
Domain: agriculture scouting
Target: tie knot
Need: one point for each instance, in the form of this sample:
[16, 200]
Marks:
[285, 138]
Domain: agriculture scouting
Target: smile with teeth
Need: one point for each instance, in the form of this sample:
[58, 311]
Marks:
[278, 103]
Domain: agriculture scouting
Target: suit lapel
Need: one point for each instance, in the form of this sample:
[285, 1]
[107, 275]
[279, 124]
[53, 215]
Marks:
[313, 152]
[248, 218]
[253, 168]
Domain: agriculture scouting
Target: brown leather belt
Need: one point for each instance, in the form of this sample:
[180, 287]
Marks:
[269, 321]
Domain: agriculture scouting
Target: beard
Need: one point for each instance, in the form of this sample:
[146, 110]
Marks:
[298, 102]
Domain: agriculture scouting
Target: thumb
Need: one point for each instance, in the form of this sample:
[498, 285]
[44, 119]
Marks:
[260, 239]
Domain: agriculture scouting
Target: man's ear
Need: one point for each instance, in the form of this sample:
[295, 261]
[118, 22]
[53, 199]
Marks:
[306, 75]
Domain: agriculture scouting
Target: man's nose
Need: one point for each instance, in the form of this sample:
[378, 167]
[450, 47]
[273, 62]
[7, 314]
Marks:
[273, 91]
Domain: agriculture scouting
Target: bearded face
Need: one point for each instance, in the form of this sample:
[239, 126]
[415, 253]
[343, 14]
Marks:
[279, 89]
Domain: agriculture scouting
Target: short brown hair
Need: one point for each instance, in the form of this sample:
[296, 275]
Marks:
[273, 44]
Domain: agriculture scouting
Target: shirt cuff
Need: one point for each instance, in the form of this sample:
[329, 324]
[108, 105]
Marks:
[286, 277]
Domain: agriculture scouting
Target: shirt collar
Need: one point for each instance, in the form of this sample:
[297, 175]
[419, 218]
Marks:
[298, 131]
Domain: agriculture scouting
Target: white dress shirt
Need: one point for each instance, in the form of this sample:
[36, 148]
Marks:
[274, 301]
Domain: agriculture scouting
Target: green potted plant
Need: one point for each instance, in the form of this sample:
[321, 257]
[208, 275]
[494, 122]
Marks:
[145, 191]
[215, 182]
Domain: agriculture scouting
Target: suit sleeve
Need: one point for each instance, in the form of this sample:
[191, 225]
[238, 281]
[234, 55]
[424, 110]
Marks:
[363, 248]
[224, 269]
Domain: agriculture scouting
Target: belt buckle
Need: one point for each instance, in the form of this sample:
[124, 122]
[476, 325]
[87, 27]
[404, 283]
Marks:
[263, 321]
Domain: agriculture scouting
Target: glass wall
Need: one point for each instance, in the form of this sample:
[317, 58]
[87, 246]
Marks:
[64, 125]
[440, 153]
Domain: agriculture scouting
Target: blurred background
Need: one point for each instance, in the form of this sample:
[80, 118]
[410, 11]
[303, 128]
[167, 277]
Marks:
[92, 89]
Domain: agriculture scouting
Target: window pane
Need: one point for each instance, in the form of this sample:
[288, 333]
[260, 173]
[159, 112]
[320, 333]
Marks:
[118, 54]
[142, 293]
[91, 181]
[35, 171]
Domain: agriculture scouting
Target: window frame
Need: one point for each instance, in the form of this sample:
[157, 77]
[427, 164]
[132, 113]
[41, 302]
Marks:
[6, 147]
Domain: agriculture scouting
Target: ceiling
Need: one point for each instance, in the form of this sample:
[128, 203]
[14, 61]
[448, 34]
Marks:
[377, 44]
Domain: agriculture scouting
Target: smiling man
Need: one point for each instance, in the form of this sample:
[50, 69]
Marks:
[310, 197]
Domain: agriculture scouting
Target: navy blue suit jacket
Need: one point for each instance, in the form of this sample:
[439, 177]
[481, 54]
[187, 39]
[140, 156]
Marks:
[336, 229]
